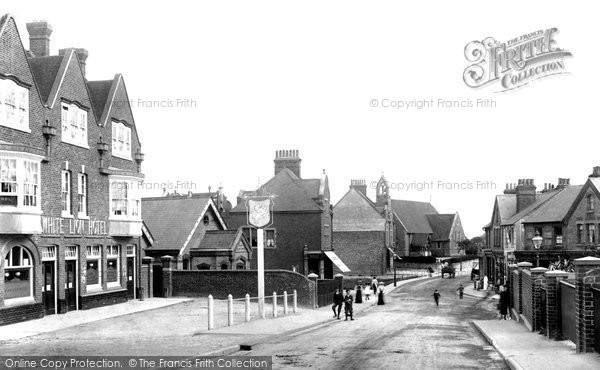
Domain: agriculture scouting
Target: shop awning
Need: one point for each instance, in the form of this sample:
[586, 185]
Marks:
[337, 261]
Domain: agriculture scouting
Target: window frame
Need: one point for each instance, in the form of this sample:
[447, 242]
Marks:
[82, 196]
[113, 253]
[26, 169]
[91, 257]
[132, 200]
[9, 266]
[121, 130]
[20, 105]
[66, 194]
[74, 125]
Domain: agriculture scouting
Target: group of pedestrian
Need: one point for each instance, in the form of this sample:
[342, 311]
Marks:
[348, 300]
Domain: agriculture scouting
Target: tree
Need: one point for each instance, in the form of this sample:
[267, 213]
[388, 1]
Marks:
[471, 246]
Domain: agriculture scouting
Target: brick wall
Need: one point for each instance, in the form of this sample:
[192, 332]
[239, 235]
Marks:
[527, 296]
[103, 299]
[362, 251]
[238, 283]
[13, 315]
[516, 295]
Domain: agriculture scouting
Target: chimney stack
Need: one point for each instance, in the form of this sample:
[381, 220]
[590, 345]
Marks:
[526, 193]
[563, 183]
[39, 38]
[595, 172]
[289, 159]
[359, 185]
[510, 189]
[82, 55]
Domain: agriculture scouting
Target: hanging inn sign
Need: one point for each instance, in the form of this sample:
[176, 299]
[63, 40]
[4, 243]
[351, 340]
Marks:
[260, 211]
[56, 226]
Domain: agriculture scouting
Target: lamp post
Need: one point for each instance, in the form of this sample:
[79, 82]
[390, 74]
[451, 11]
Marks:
[395, 258]
[537, 243]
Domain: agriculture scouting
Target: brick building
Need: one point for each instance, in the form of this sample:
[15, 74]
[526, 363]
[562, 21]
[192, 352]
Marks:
[70, 159]
[300, 234]
[367, 234]
[190, 229]
[565, 216]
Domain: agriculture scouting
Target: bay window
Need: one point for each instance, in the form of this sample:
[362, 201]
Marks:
[125, 200]
[14, 105]
[19, 181]
[74, 125]
[121, 140]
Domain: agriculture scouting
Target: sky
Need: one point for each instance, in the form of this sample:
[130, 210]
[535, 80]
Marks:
[218, 86]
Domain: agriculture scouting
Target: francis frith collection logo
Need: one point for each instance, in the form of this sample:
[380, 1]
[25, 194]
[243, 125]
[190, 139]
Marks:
[516, 62]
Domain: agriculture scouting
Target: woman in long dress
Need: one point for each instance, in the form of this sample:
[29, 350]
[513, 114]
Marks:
[380, 300]
[358, 298]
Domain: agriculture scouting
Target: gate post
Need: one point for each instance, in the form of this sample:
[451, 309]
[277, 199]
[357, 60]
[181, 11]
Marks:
[537, 275]
[553, 279]
[146, 278]
[587, 272]
[167, 264]
[313, 277]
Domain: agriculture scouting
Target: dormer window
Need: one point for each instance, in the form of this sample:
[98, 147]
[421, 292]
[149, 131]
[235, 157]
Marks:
[121, 140]
[14, 105]
[74, 125]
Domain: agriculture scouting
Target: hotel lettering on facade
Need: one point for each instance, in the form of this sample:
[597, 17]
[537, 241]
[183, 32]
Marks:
[70, 213]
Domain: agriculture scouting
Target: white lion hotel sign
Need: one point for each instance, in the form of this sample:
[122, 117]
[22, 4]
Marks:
[56, 226]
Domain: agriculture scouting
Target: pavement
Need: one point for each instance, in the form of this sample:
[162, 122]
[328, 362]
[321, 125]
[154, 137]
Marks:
[523, 349]
[53, 323]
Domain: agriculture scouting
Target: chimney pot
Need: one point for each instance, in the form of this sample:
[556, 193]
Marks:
[39, 38]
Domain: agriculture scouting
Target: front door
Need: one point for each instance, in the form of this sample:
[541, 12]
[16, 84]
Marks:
[157, 282]
[48, 289]
[71, 285]
[131, 277]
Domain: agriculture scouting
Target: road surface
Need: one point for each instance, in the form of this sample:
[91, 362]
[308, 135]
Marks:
[408, 332]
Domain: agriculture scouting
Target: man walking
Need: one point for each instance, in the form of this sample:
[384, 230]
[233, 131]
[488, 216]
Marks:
[436, 298]
[460, 289]
[348, 299]
[338, 299]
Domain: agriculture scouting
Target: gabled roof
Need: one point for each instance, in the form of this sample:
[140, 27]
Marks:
[45, 71]
[595, 181]
[174, 220]
[221, 240]
[556, 208]
[49, 78]
[99, 91]
[441, 225]
[413, 215]
[291, 193]
[356, 212]
[507, 206]
[540, 199]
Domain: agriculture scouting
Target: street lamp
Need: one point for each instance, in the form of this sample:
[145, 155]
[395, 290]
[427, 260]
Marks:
[537, 243]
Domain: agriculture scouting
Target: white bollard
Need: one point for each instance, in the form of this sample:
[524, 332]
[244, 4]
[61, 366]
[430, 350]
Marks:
[247, 307]
[211, 313]
[285, 305]
[229, 310]
[274, 304]
[295, 306]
